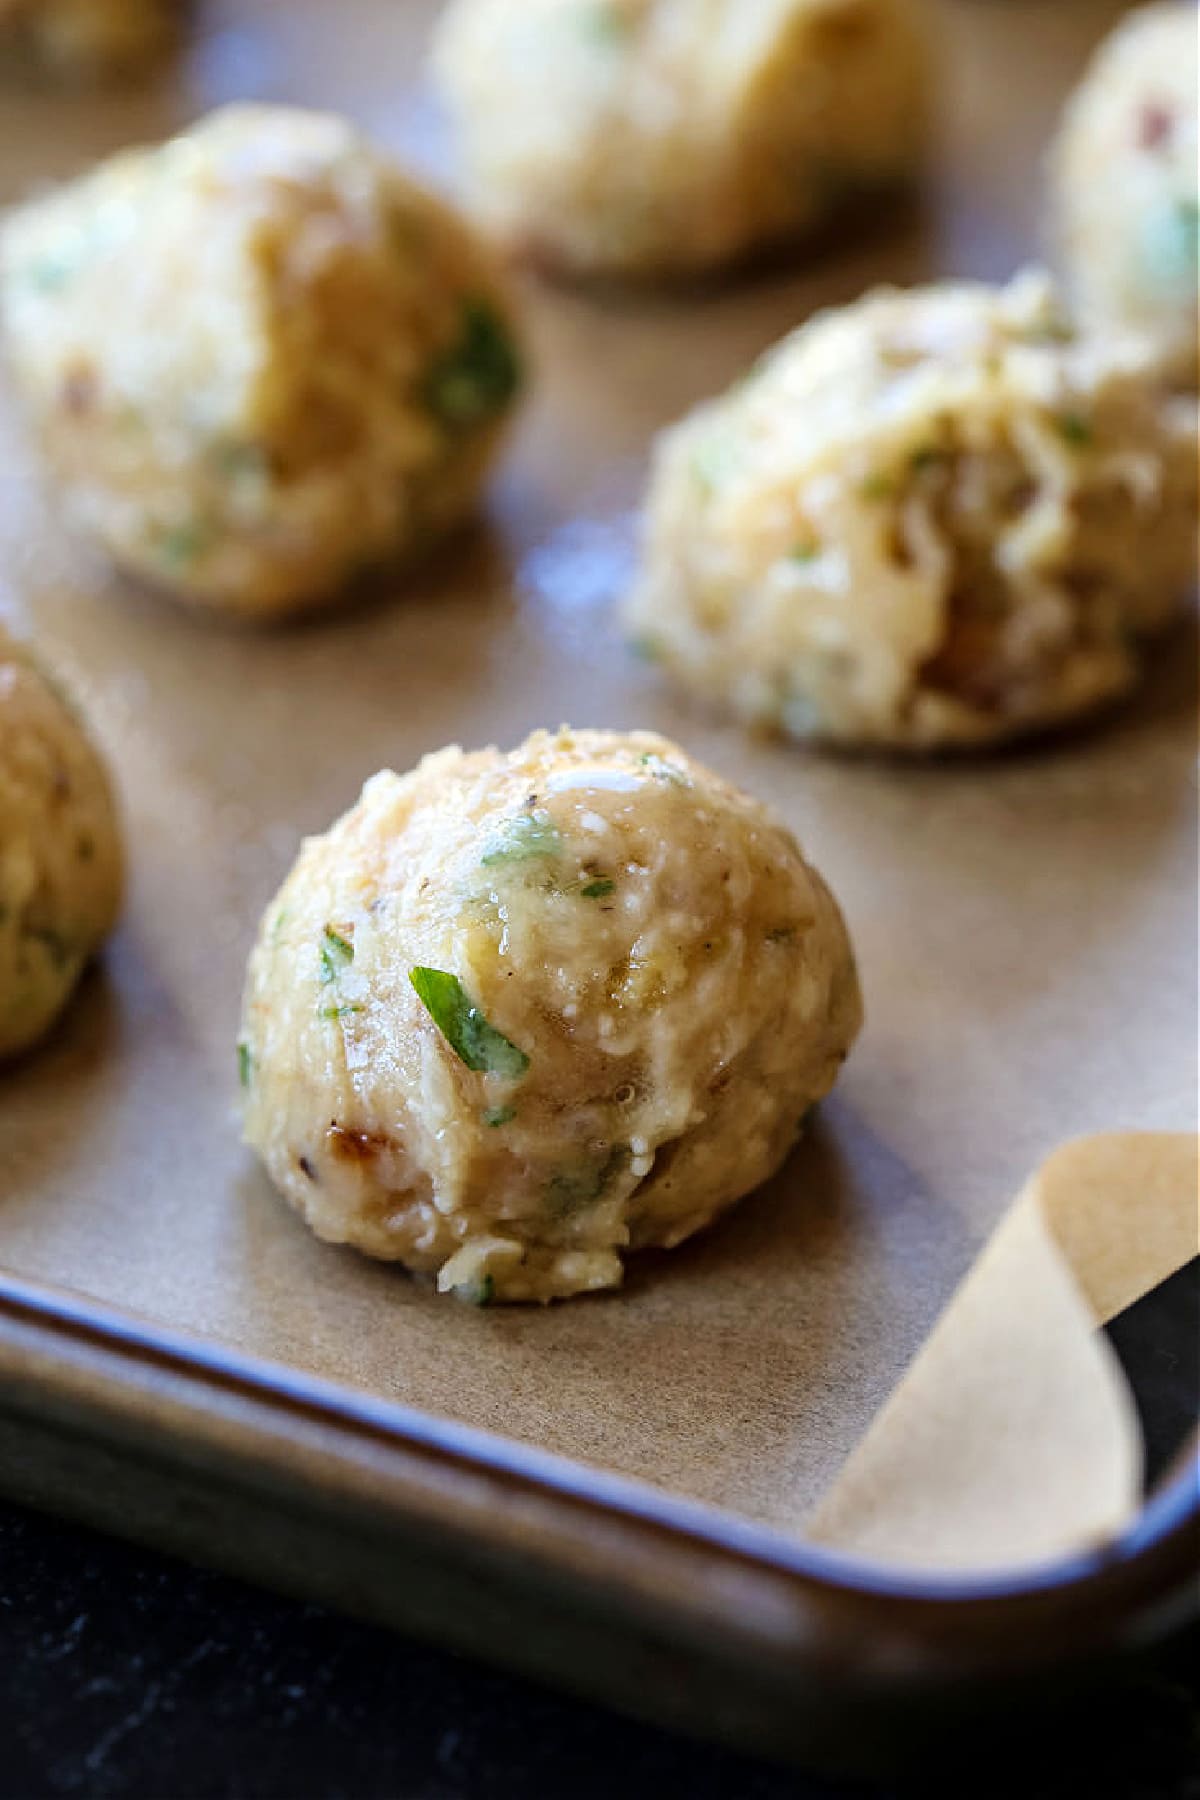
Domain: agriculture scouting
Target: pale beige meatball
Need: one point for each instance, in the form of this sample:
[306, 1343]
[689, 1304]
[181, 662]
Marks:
[82, 39]
[516, 1014]
[60, 853]
[258, 360]
[933, 518]
[652, 137]
[1124, 184]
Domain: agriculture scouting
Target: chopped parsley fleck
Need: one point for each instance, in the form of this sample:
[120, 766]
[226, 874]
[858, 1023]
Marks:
[52, 273]
[530, 834]
[580, 1185]
[927, 457]
[647, 648]
[876, 487]
[662, 770]
[240, 461]
[1187, 220]
[180, 545]
[245, 1065]
[473, 1040]
[804, 550]
[478, 375]
[499, 1115]
[596, 890]
[337, 953]
[711, 460]
[604, 22]
[476, 1293]
[1074, 429]
[339, 1012]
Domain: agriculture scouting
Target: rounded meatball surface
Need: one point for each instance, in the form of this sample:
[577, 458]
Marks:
[1124, 184]
[654, 137]
[932, 518]
[85, 39]
[258, 360]
[60, 854]
[515, 1014]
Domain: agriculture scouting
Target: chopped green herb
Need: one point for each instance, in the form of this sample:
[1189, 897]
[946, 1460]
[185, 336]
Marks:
[662, 770]
[604, 22]
[479, 374]
[338, 1012]
[239, 460]
[52, 273]
[1052, 330]
[927, 457]
[580, 1185]
[336, 953]
[499, 1115]
[476, 1293]
[530, 834]
[1169, 237]
[876, 487]
[648, 648]
[596, 890]
[804, 550]
[180, 545]
[1074, 429]
[711, 461]
[245, 1065]
[473, 1040]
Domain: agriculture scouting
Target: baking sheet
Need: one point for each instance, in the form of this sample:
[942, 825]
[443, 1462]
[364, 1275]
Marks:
[1025, 924]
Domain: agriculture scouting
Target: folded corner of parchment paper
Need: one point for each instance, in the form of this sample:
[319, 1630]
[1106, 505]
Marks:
[1013, 1438]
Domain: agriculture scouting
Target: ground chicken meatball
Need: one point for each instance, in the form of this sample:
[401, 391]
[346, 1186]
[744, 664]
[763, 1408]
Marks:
[1124, 182]
[60, 854]
[258, 359]
[87, 38]
[514, 1015]
[654, 137]
[932, 518]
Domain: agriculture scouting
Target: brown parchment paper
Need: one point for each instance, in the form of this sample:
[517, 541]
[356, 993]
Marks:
[1014, 1437]
[1025, 925]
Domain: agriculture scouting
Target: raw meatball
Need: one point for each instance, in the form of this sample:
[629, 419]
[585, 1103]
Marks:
[650, 137]
[1124, 179]
[931, 518]
[86, 38]
[258, 359]
[514, 1015]
[60, 854]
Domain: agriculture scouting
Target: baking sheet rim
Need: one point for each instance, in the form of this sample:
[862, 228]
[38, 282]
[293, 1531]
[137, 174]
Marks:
[1170, 1513]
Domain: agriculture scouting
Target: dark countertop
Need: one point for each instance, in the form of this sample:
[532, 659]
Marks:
[130, 1674]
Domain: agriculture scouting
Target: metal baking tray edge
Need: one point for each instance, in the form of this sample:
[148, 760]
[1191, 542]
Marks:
[661, 1607]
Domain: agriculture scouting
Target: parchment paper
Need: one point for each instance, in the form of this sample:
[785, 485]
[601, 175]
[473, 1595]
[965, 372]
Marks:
[1014, 1437]
[1025, 925]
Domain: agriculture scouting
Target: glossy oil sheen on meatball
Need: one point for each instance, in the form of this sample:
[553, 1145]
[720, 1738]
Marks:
[516, 1014]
